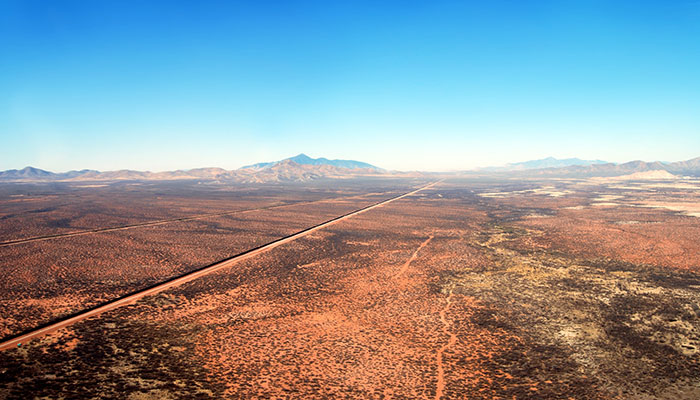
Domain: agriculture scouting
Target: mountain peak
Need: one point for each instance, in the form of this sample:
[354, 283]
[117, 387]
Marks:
[303, 159]
[30, 172]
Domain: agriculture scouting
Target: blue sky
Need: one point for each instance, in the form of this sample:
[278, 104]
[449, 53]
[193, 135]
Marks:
[403, 85]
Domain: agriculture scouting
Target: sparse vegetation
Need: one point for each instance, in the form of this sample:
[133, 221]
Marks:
[443, 294]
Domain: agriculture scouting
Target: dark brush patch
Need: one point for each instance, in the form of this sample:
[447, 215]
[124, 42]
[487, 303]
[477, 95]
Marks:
[137, 357]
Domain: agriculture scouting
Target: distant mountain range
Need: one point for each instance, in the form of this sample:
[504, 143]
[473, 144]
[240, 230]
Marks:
[688, 168]
[578, 168]
[303, 159]
[298, 168]
[303, 168]
[549, 162]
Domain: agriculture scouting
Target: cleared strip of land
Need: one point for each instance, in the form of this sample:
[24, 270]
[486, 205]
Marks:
[131, 298]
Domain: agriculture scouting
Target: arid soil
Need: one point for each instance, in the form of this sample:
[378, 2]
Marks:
[43, 280]
[533, 292]
[31, 210]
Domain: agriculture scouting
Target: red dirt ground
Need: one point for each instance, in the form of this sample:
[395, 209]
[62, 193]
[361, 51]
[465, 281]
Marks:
[444, 294]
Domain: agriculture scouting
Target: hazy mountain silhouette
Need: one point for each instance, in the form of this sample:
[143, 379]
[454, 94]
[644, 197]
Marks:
[689, 167]
[298, 168]
[549, 162]
[303, 159]
[303, 168]
[31, 173]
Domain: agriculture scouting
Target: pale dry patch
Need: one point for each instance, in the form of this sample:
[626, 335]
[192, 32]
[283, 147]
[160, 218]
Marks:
[691, 209]
[495, 195]
[607, 197]
[551, 191]
[628, 187]
[545, 190]
[679, 185]
[638, 176]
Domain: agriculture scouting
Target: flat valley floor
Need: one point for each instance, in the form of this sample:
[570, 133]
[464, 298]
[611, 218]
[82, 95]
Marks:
[476, 287]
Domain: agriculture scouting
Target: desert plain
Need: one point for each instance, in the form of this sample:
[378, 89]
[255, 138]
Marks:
[472, 287]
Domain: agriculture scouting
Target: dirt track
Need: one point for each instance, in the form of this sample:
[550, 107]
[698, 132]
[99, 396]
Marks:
[131, 298]
[440, 389]
[413, 257]
[157, 222]
[496, 305]
[140, 225]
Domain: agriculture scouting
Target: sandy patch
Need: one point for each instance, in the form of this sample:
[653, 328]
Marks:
[655, 175]
[691, 209]
[494, 194]
[545, 190]
[551, 191]
[607, 197]
[680, 185]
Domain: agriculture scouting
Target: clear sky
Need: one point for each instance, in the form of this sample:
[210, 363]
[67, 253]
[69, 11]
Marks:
[404, 85]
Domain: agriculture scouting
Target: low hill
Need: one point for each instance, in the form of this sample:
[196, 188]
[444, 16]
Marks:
[655, 175]
[26, 173]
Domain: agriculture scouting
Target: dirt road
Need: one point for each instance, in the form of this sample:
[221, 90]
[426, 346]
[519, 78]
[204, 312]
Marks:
[163, 221]
[131, 298]
[440, 386]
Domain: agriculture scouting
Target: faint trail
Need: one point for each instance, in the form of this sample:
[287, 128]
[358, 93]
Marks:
[130, 226]
[177, 281]
[453, 339]
[162, 222]
[413, 257]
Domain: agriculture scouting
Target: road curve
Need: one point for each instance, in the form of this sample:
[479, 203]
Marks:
[177, 281]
